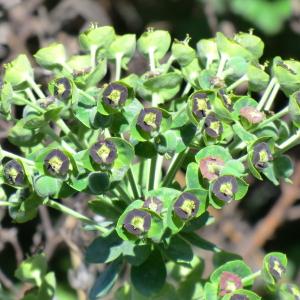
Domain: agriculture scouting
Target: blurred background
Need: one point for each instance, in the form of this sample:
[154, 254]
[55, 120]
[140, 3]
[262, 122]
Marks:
[267, 220]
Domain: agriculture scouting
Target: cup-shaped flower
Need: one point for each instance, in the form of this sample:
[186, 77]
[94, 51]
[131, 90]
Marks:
[104, 152]
[14, 173]
[154, 204]
[186, 206]
[252, 115]
[225, 187]
[229, 282]
[137, 222]
[201, 105]
[62, 88]
[56, 163]
[276, 268]
[210, 167]
[213, 126]
[261, 155]
[115, 95]
[225, 100]
[239, 297]
[149, 119]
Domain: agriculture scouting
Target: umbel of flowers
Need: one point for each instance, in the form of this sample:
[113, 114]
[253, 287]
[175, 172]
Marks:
[98, 129]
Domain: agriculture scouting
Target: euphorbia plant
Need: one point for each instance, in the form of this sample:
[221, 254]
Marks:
[100, 130]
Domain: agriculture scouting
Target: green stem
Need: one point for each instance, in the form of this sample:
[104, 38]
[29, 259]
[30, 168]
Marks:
[133, 184]
[174, 166]
[290, 142]
[29, 103]
[276, 116]
[30, 95]
[141, 171]
[118, 65]
[35, 87]
[151, 59]
[93, 56]
[266, 94]
[186, 89]
[67, 210]
[248, 279]
[123, 194]
[241, 80]
[67, 67]
[222, 64]
[272, 96]
[152, 173]
[17, 157]
[5, 203]
[64, 127]
[158, 169]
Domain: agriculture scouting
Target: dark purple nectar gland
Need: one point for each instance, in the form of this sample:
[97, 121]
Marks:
[149, 119]
[261, 155]
[210, 167]
[115, 95]
[225, 187]
[213, 126]
[276, 268]
[57, 163]
[186, 206]
[239, 297]
[229, 282]
[62, 88]
[104, 152]
[137, 222]
[201, 106]
[153, 204]
[45, 102]
[14, 173]
[226, 100]
[252, 115]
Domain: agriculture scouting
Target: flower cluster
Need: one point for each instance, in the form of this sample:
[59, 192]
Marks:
[205, 111]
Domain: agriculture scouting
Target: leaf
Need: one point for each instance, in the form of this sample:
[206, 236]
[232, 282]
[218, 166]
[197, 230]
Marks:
[149, 277]
[46, 186]
[104, 249]
[48, 287]
[32, 269]
[106, 280]
[98, 182]
[199, 242]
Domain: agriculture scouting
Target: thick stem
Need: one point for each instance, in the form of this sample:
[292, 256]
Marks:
[133, 184]
[30, 94]
[158, 168]
[186, 89]
[35, 87]
[174, 166]
[266, 94]
[29, 103]
[272, 97]
[67, 210]
[151, 59]
[290, 142]
[123, 194]
[222, 64]
[248, 279]
[152, 173]
[118, 65]
[5, 203]
[17, 157]
[276, 116]
[241, 80]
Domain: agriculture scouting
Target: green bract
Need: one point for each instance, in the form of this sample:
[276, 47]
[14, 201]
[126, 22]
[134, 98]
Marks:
[118, 139]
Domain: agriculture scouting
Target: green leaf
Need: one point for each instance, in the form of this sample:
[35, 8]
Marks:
[149, 277]
[199, 242]
[18, 71]
[158, 41]
[104, 249]
[135, 254]
[164, 81]
[98, 182]
[32, 269]
[182, 52]
[243, 134]
[48, 287]
[258, 79]
[46, 186]
[207, 51]
[51, 56]
[106, 280]
[214, 151]
[104, 207]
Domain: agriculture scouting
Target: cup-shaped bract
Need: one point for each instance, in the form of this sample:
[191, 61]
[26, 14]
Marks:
[104, 152]
[261, 155]
[225, 187]
[252, 115]
[115, 95]
[210, 167]
[229, 282]
[62, 88]
[186, 206]
[137, 221]
[149, 119]
[154, 204]
[200, 105]
[56, 163]
[14, 173]
[213, 126]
